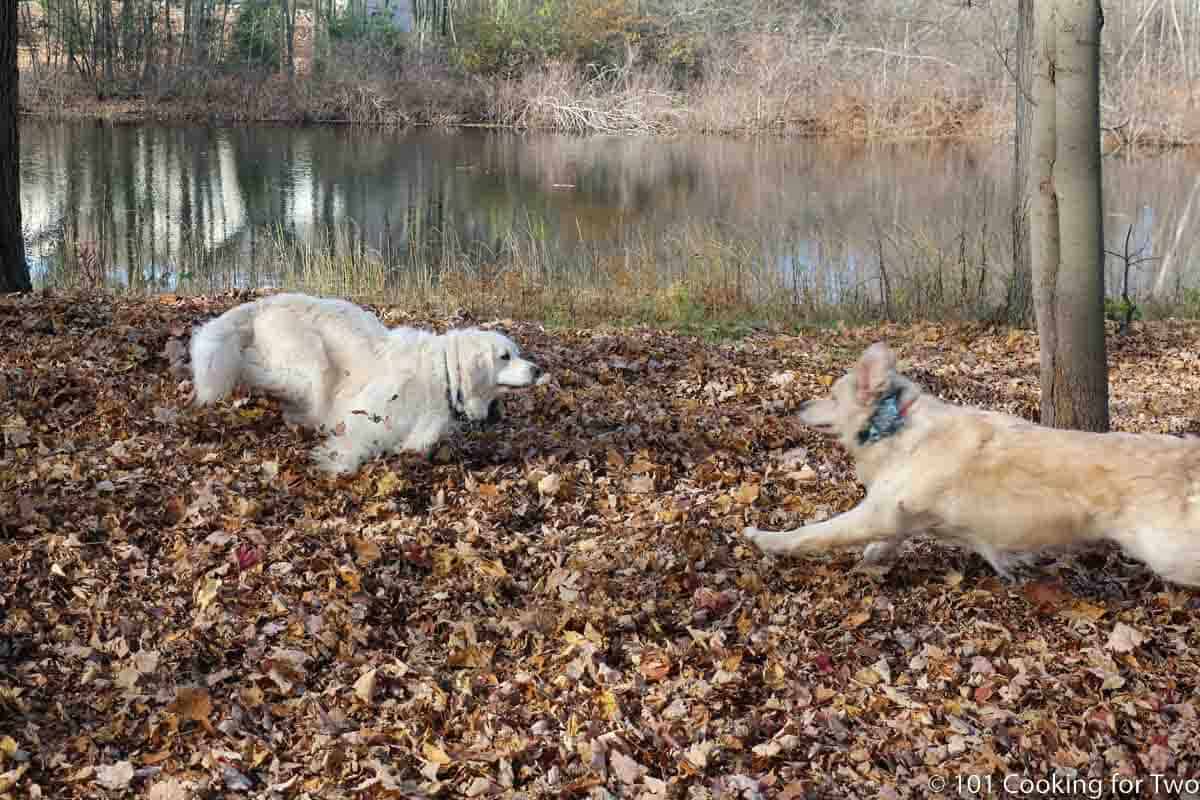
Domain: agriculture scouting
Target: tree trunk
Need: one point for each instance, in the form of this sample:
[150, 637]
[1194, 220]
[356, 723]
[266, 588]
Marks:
[318, 41]
[1019, 307]
[14, 270]
[186, 43]
[289, 36]
[1066, 220]
[107, 51]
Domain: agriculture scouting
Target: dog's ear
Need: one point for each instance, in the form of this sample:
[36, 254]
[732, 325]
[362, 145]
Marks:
[872, 374]
[470, 366]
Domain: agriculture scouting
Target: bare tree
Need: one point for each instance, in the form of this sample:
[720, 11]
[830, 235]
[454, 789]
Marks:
[289, 35]
[1066, 221]
[14, 270]
[1020, 288]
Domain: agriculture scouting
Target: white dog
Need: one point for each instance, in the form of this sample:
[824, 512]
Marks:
[337, 367]
[997, 483]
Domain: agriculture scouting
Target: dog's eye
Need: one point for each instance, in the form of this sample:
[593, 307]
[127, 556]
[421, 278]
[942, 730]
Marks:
[505, 357]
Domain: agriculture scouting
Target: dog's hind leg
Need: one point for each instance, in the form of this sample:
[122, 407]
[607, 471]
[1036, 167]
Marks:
[292, 366]
[870, 522]
[1173, 554]
[881, 552]
[1002, 563]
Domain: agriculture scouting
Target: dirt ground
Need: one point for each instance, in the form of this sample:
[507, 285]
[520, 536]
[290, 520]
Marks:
[558, 606]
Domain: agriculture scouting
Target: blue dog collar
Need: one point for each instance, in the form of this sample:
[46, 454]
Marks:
[887, 420]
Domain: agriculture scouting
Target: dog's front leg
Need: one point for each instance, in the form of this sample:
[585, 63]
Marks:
[870, 521]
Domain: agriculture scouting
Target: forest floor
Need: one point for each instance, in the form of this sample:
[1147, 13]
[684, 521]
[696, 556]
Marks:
[560, 605]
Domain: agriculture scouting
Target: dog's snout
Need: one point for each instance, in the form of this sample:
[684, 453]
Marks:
[536, 371]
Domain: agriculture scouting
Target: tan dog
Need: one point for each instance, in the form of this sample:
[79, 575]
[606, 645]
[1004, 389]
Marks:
[996, 483]
[336, 367]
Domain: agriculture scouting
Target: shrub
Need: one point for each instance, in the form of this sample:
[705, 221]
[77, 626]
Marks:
[256, 33]
[595, 32]
[379, 31]
[1118, 309]
[505, 45]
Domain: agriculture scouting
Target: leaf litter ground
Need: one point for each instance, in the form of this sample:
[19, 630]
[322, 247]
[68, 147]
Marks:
[557, 606]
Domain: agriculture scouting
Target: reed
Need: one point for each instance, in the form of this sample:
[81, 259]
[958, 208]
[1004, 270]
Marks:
[701, 277]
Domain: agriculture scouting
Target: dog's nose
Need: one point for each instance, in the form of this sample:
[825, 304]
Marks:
[537, 372]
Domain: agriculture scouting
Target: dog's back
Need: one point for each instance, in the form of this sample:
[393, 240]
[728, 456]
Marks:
[1007, 484]
[997, 483]
[266, 341]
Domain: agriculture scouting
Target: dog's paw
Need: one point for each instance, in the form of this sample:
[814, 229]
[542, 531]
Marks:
[334, 462]
[879, 553]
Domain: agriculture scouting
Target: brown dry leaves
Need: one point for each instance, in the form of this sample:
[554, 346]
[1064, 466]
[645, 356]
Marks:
[559, 606]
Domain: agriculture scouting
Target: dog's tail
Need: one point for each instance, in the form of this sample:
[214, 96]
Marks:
[216, 350]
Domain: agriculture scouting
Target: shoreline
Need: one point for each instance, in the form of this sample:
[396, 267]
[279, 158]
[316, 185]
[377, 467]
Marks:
[105, 113]
[140, 112]
[534, 102]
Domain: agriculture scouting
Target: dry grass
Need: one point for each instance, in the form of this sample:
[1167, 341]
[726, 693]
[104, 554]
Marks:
[697, 277]
[552, 97]
[1142, 111]
[557, 96]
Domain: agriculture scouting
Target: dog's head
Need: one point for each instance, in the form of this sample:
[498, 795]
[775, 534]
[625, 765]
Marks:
[482, 366]
[855, 397]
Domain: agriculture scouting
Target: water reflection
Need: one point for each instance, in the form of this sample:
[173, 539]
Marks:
[155, 204]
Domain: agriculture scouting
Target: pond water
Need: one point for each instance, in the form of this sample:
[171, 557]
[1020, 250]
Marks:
[163, 206]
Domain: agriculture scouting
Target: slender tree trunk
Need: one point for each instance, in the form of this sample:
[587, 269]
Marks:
[168, 31]
[149, 47]
[127, 41]
[1019, 309]
[318, 40]
[107, 51]
[203, 25]
[221, 34]
[289, 35]
[185, 38]
[1167, 282]
[1043, 202]
[1066, 219]
[14, 269]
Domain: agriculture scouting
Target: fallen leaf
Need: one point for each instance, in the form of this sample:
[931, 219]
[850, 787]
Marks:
[247, 555]
[364, 687]
[625, 768]
[365, 550]
[234, 779]
[12, 777]
[1048, 596]
[857, 619]
[433, 753]
[207, 592]
[479, 786]
[195, 704]
[550, 485]
[655, 665]
[115, 777]
[697, 754]
[1124, 638]
[642, 484]
[747, 493]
